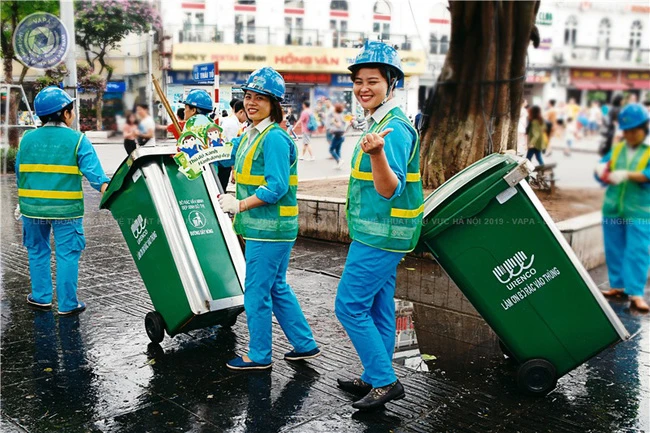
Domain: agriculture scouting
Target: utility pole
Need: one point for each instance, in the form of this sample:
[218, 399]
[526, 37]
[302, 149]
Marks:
[70, 82]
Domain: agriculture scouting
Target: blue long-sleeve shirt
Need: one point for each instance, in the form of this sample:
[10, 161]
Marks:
[398, 145]
[87, 160]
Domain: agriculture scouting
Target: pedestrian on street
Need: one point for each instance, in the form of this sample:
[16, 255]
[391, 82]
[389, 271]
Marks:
[291, 122]
[232, 128]
[385, 205]
[130, 133]
[337, 129]
[626, 210]
[266, 216]
[522, 139]
[306, 118]
[537, 137]
[50, 163]
[146, 124]
[570, 135]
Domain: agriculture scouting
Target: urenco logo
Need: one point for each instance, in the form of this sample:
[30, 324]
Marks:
[515, 270]
[138, 228]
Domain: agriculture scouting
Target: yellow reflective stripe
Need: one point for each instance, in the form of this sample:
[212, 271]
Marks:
[413, 177]
[251, 179]
[288, 211]
[365, 175]
[361, 175]
[643, 162]
[40, 193]
[406, 213]
[250, 152]
[49, 168]
[615, 154]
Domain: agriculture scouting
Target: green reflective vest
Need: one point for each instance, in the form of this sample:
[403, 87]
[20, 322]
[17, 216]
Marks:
[628, 199]
[391, 225]
[271, 222]
[49, 181]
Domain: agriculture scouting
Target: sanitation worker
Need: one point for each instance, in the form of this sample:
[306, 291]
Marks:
[50, 164]
[266, 215]
[384, 212]
[626, 210]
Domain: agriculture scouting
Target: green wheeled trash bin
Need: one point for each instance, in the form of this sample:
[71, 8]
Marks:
[492, 236]
[182, 243]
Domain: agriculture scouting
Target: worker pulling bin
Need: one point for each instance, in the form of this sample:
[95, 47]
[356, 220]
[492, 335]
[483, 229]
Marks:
[181, 241]
[495, 240]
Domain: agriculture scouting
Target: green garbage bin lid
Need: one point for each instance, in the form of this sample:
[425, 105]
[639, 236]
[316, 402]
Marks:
[128, 167]
[463, 178]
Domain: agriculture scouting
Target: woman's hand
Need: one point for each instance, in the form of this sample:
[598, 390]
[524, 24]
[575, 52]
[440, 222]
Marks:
[373, 144]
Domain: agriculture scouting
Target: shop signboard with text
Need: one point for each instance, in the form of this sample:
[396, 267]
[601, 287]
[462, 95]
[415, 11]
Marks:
[284, 59]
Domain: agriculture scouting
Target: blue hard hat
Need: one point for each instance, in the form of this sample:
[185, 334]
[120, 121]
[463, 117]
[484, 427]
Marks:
[632, 116]
[375, 54]
[50, 100]
[199, 98]
[266, 81]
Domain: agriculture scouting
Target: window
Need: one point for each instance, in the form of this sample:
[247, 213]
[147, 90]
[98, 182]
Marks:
[339, 22]
[293, 28]
[635, 34]
[339, 5]
[444, 44]
[381, 20]
[294, 4]
[604, 29]
[244, 29]
[570, 30]
[433, 44]
[245, 2]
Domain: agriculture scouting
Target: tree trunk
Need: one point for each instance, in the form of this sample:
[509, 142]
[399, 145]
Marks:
[479, 90]
[99, 104]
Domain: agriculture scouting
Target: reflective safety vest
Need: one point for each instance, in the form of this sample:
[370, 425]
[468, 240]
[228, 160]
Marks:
[628, 199]
[271, 222]
[49, 180]
[391, 225]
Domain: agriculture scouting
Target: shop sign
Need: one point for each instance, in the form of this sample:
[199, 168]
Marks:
[599, 74]
[232, 77]
[116, 86]
[297, 77]
[247, 57]
[637, 75]
[544, 19]
[543, 76]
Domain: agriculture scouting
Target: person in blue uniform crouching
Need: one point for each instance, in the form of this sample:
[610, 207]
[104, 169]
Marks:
[384, 212]
[50, 164]
[266, 215]
[626, 210]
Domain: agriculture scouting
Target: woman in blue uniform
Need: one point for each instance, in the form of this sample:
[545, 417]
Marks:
[50, 164]
[266, 215]
[626, 210]
[384, 212]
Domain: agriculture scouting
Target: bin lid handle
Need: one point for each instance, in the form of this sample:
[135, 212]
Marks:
[519, 173]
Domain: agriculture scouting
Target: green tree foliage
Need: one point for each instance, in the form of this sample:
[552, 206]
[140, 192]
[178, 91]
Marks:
[101, 25]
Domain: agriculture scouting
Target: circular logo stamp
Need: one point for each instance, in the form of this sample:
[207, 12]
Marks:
[41, 41]
[197, 219]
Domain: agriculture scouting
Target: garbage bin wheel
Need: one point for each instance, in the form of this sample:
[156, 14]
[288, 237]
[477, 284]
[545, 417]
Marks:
[230, 322]
[155, 326]
[536, 377]
[505, 350]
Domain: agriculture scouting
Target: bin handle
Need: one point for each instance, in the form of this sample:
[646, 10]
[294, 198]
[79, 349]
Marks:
[522, 171]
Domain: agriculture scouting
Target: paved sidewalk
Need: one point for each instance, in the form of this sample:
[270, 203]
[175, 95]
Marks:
[97, 372]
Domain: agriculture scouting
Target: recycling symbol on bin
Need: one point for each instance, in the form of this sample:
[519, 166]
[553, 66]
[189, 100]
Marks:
[197, 219]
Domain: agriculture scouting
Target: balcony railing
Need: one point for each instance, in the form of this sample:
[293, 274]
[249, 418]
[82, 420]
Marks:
[580, 52]
[305, 37]
[618, 54]
[199, 33]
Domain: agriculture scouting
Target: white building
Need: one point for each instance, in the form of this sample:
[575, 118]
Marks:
[588, 50]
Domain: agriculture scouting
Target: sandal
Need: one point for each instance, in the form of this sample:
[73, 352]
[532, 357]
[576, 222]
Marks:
[639, 304]
[614, 293]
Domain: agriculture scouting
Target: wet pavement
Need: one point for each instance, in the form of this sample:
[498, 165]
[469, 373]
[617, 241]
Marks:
[98, 373]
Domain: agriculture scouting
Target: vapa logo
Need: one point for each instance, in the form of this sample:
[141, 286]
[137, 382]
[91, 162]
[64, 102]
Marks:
[515, 270]
[138, 226]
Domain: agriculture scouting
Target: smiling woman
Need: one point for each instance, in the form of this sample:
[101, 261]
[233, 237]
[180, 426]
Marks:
[266, 215]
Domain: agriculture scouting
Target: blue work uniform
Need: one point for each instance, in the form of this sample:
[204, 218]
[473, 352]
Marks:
[51, 199]
[268, 247]
[365, 303]
[626, 220]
